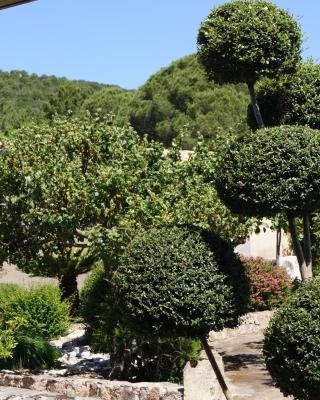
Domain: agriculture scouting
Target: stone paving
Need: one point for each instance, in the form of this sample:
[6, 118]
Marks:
[245, 370]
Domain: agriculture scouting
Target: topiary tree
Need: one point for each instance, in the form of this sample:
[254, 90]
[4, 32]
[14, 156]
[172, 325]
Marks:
[291, 345]
[170, 281]
[275, 171]
[134, 356]
[291, 99]
[245, 40]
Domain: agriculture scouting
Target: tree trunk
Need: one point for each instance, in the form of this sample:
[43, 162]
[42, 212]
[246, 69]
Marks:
[278, 246]
[69, 288]
[216, 369]
[306, 272]
[307, 244]
[255, 105]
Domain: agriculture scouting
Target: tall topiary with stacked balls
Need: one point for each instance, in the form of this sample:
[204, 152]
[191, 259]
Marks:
[274, 171]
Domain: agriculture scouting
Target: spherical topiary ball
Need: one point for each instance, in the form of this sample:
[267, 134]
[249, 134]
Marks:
[273, 170]
[292, 343]
[244, 40]
[170, 282]
[291, 100]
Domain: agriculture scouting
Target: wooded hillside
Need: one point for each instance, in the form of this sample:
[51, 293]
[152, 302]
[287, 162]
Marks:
[176, 98]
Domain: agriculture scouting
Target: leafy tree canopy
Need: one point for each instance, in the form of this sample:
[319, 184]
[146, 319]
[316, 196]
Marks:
[175, 98]
[111, 100]
[73, 186]
[274, 171]
[244, 40]
[180, 96]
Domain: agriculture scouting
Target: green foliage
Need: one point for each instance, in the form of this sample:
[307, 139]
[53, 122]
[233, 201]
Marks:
[8, 292]
[28, 319]
[169, 281]
[24, 97]
[243, 40]
[292, 346]
[269, 284]
[68, 99]
[291, 99]
[72, 189]
[175, 98]
[134, 357]
[8, 341]
[97, 307]
[111, 100]
[30, 352]
[41, 310]
[272, 171]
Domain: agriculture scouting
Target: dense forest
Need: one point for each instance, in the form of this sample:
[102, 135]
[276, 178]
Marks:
[25, 97]
[175, 99]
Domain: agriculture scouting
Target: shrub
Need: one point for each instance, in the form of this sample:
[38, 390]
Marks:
[269, 284]
[41, 308]
[28, 319]
[169, 281]
[134, 357]
[8, 292]
[93, 298]
[292, 345]
[31, 352]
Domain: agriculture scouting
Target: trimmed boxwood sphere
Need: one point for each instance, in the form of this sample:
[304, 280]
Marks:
[244, 40]
[170, 282]
[272, 171]
[292, 343]
[293, 99]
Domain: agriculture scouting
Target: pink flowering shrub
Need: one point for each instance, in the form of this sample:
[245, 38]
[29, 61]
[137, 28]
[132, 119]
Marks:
[269, 284]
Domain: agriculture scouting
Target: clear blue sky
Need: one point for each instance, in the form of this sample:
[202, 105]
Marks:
[116, 41]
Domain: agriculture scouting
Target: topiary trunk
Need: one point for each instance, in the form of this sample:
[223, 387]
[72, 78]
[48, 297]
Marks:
[255, 105]
[216, 369]
[69, 288]
[303, 254]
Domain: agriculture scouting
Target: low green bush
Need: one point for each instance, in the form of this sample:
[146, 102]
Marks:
[30, 352]
[93, 301]
[8, 292]
[269, 284]
[292, 343]
[42, 309]
[28, 319]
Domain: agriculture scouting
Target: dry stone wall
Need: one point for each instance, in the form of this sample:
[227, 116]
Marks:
[102, 389]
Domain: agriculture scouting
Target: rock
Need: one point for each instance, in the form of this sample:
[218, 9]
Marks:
[82, 387]
[200, 382]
